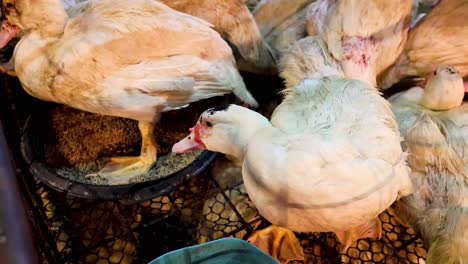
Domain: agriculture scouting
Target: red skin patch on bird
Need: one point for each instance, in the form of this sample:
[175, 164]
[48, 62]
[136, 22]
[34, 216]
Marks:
[359, 49]
[197, 134]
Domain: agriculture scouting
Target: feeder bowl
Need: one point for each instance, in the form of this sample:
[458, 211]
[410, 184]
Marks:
[33, 151]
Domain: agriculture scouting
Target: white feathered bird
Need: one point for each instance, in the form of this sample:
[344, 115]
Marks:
[434, 123]
[322, 163]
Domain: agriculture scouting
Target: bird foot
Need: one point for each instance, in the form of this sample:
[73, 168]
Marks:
[278, 242]
[121, 169]
[372, 229]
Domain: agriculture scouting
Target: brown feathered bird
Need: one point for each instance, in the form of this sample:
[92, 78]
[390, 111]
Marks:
[281, 22]
[233, 20]
[441, 37]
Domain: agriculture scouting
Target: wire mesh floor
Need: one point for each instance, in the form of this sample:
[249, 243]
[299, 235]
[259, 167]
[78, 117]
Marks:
[87, 231]
[210, 206]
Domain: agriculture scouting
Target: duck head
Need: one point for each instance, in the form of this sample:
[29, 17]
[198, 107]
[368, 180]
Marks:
[223, 129]
[444, 89]
[47, 17]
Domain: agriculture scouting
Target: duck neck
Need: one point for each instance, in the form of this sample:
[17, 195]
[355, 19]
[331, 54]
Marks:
[46, 17]
[236, 138]
[246, 134]
[359, 72]
[359, 56]
[33, 66]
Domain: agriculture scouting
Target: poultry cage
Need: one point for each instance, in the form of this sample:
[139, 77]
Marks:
[209, 206]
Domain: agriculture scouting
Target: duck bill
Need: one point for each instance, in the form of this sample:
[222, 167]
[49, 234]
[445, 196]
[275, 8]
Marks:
[7, 32]
[187, 144]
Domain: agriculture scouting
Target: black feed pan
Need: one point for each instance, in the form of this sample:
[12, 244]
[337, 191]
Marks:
[33, 152]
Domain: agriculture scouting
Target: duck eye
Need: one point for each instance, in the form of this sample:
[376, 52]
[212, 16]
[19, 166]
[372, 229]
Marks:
[10, 5]
[209, 124]
[435, 72]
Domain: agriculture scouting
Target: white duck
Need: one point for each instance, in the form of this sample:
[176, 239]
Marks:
[126, 58]
[330, 166]
[366, 37]
[434, 122]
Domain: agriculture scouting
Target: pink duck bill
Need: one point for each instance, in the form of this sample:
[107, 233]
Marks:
[190, 142]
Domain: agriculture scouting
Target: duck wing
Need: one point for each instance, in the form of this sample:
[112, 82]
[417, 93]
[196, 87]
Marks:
[169, 83]
[434, 139]
[108, 35]
[457, 125]
[324, 180]
[146, 42]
